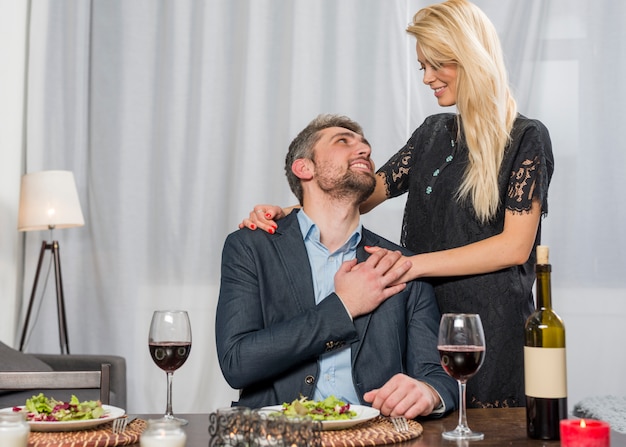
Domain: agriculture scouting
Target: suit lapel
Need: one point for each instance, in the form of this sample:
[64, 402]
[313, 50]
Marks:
[361, 323]
[293, 256]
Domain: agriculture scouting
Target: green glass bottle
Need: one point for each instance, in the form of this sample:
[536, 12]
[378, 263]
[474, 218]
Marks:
[545, 370]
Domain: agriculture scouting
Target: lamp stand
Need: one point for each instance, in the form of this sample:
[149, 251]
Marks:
[63, 339]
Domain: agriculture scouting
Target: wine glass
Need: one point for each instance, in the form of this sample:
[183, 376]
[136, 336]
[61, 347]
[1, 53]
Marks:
[170, 342]
[461, 346]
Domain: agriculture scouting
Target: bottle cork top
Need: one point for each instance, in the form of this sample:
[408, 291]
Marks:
[543, 254]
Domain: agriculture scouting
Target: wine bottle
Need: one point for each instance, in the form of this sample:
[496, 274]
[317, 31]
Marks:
[545, 371]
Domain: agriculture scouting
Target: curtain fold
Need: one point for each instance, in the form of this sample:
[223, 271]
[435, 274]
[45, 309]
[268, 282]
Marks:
[13, 55]
[175, 118]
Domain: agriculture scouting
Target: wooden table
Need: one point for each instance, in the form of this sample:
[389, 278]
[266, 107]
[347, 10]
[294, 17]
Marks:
[502, 427]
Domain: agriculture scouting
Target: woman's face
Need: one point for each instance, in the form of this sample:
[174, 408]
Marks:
[442, 81]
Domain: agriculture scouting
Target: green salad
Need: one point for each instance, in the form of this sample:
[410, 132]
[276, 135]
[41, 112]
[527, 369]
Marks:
[329, 409]
[47, 409]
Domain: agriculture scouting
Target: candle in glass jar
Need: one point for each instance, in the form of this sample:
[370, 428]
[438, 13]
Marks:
[163, 433]
[585, 433]
[14, 430]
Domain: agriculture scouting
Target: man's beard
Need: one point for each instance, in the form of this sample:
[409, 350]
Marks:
[357, 186]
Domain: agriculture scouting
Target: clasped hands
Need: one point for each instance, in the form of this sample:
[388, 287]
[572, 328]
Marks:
[364, 286]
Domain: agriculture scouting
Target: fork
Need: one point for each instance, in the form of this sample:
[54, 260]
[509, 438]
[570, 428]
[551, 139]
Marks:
[400, 424]
[119, 424]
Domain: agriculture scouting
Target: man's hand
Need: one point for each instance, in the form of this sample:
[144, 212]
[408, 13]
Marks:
[404, 396]
[363, 287]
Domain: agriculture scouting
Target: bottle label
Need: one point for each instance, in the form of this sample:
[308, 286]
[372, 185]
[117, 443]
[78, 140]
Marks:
[545, 374]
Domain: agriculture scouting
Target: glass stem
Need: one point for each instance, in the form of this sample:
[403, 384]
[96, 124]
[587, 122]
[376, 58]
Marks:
[462, 406]
[168, 408]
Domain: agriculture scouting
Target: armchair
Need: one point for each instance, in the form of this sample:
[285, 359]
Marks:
[14, 360]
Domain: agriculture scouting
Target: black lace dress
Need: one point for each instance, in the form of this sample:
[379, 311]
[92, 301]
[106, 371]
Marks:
[430, 168]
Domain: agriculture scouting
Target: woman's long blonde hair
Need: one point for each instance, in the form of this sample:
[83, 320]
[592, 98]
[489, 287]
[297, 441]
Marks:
[458, 32]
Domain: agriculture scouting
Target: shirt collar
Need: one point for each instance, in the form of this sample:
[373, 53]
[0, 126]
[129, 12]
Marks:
[311, 232]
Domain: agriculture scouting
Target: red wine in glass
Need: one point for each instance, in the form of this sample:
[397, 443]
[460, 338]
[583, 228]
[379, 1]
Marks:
[169, 343]
[461, 345]
[461, 362]
[169, 356]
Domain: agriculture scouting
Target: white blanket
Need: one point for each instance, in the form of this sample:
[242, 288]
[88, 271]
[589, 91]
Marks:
[611, 409]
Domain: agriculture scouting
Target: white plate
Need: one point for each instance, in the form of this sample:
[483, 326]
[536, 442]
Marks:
[110, 413]
[363, 414]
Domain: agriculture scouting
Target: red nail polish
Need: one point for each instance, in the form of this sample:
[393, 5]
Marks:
[252, 227]
[271, 230]
[268, 215]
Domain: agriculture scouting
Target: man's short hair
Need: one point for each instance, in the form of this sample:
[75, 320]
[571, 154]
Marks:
[302, 146]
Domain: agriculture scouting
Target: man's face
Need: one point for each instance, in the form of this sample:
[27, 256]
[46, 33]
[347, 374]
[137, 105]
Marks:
[343, 167]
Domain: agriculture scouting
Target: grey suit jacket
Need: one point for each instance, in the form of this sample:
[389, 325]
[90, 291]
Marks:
[270, 332]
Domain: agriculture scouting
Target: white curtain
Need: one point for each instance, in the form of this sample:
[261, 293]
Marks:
[175, 118]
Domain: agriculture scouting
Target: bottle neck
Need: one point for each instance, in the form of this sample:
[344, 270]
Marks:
[544, 293]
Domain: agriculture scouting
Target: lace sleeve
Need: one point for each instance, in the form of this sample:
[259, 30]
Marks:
[531, 174]
[396, 171]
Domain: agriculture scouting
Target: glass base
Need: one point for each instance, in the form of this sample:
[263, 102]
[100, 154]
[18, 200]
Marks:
[463, 433]
[180, 421]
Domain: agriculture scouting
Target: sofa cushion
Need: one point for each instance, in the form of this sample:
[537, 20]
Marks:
[14, 360]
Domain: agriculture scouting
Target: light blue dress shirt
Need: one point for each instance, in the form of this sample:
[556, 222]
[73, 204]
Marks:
[335, 367]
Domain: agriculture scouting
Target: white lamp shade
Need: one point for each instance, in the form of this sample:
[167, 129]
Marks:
[48, 199]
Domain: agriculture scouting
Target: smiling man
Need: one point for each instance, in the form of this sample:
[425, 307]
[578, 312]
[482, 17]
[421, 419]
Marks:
[307, 312]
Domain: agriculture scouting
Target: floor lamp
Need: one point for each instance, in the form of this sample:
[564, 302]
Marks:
[48, 201]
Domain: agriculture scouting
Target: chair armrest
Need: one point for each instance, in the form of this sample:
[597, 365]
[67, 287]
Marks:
[86, 362]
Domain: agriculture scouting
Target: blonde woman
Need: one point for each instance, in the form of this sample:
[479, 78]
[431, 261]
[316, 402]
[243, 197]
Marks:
[477, 183]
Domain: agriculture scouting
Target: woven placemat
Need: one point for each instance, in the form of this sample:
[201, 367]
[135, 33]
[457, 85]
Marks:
[101, 436]
[377, 431]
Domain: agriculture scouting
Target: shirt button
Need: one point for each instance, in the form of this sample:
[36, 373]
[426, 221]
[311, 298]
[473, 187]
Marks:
[309, 380]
